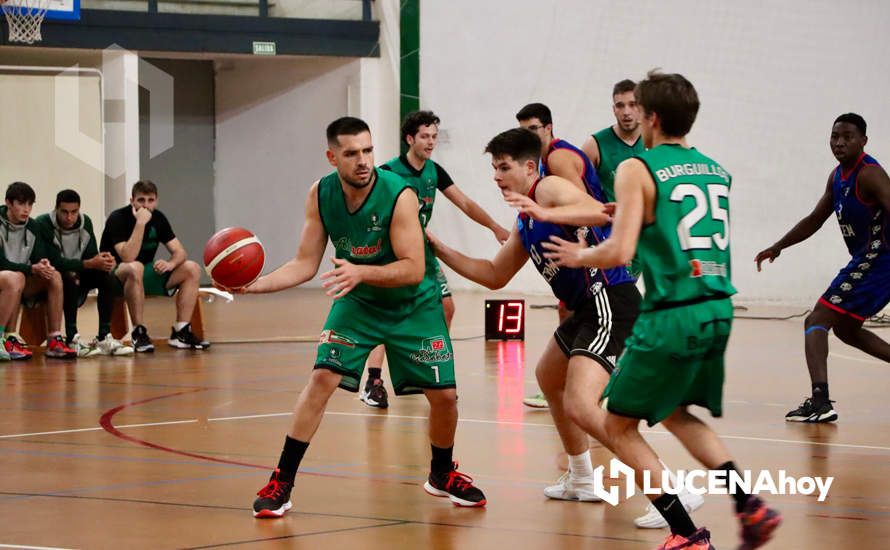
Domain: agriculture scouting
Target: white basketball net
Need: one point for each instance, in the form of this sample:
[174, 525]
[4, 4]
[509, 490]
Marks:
[24, 18]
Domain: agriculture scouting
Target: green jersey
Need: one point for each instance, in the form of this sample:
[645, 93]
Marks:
[424, 182]
[613, 151]
[362, 237]
[685, 253]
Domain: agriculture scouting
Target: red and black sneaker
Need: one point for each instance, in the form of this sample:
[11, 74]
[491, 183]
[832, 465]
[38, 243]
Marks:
[274, 498]
[758, 523]
[16, 348]
[700, 540]
[55, 347]
[457, 486]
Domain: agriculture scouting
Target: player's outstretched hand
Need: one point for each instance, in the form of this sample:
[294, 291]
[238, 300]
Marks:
[343, 278]
[435, 243]
[564, 253]
[526, 205]
[501, 234]
[242, 290]
[770, 254]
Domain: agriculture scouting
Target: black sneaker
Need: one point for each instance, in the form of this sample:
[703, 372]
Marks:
[374, 394]
[458, 487]
[808, 411]
[184, 338]
[274, 498]
[141, 340]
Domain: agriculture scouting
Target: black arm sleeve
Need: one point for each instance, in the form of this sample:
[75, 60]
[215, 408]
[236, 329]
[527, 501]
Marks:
[442, 177]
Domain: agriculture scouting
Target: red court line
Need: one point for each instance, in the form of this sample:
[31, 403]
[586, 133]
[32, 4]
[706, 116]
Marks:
[106, 422]
[837, 517]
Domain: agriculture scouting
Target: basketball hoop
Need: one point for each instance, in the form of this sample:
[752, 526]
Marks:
[24, 18]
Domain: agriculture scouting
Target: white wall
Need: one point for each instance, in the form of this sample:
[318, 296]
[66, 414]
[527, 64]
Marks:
[270, 133]
[99, 159]
[29, 150]
[271, 117]
[771, 76]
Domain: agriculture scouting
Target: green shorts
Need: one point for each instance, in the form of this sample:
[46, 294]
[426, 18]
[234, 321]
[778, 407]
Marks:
[442, 281]
[417, 344]
[673, 358]
[154, 283]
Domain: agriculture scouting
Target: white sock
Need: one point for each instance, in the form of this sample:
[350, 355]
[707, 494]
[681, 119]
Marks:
[580, 465]
[178, 325]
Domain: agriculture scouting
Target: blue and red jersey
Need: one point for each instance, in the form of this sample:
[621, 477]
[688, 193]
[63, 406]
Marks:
[573, 286]
[862, 223]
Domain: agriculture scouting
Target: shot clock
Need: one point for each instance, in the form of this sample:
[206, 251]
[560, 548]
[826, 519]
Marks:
[505, 319]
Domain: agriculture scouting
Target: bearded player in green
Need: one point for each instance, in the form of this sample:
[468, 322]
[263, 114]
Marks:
[679, 229]
[420, 131]
[614, 144]
[381, 296]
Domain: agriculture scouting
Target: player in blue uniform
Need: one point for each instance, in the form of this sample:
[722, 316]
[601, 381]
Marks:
[858, 192]
[558, 158]
[561, 158]
[578, 360]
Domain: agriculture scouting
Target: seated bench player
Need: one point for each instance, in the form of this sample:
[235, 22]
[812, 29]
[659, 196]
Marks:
[132, 235]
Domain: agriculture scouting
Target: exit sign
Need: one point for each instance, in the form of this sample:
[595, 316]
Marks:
[264, 48]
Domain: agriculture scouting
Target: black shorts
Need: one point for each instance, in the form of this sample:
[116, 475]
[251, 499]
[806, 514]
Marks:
[600, 326]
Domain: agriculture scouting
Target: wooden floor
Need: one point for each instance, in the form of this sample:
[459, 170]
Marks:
[167, 450]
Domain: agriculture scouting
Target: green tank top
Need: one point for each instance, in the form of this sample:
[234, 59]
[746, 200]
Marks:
[613, 151]
[684, 254]
[424, 184]
[362, 237]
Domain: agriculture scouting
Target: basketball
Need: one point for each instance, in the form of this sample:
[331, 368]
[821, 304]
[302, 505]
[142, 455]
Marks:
[234, 257]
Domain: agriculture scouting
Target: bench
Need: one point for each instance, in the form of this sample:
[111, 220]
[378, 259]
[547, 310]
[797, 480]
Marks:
[33, 324]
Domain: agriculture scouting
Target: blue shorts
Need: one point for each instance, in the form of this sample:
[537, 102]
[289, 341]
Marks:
[862, 288]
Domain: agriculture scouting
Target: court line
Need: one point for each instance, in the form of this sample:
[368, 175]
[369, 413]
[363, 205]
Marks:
[296, 513]
[99, 428]
[375, 415]
[297, 535]
[433, 523]
[33, 547]
[654, 432]
[106, 422]
[857, 359]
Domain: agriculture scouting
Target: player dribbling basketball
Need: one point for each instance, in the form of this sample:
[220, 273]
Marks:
[381, 296]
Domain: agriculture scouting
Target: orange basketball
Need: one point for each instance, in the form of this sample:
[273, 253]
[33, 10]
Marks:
[234, 257]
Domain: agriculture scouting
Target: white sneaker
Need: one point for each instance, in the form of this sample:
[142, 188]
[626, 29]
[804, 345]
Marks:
[572, 488]
[110, 346]
[537, 401]
[84, 350]
[652, 519]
